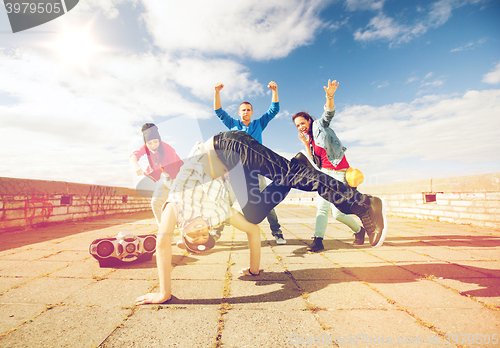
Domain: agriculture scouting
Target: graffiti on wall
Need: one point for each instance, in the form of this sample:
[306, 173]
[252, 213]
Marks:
[99, 198]
[37, 206]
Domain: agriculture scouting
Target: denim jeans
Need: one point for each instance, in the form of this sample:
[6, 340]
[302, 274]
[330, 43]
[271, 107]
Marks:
[324, 208]
[236, 147]
[160, 195]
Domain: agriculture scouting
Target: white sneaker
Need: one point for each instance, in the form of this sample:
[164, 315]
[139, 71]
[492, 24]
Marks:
[280, 239]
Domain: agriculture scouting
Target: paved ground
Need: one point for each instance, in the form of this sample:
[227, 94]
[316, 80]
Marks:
[430, 284]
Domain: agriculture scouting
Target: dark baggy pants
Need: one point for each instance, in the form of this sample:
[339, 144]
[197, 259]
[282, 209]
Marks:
[236, 147]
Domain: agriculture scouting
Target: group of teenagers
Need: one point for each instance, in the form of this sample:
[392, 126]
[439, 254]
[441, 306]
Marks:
[197, 195]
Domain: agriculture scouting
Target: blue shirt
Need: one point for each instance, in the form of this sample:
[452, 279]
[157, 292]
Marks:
[256, 127]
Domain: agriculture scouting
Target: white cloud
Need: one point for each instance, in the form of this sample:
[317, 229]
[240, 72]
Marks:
[56, 113]
[383, 27]
[258, 29]
[380, 27]
[468, 46]
[356, 5]
[432, 129]
[383, 84]
[411, 79]
[493, 77]
[435, 83]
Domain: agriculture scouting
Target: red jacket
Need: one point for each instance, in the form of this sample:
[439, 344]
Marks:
[171, 162]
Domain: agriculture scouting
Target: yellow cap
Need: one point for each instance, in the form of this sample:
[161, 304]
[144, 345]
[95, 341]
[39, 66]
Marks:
[354, 177]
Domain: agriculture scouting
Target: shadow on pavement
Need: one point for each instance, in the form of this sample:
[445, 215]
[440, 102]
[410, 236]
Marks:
[318, 279]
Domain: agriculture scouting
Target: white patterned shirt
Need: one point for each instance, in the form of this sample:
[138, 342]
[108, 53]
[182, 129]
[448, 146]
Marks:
[196, 194]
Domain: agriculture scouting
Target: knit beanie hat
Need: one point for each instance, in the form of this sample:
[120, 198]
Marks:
[150, 131]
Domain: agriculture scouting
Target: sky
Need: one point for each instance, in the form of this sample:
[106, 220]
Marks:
[418, 95]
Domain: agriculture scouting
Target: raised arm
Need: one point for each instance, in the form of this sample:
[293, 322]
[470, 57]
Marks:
[163, 258]
[330, 93]
[217, 103]
[327, 116]
[273, 87]
[228, 121]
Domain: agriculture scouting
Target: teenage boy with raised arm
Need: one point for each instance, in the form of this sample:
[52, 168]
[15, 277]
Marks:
[255, 129]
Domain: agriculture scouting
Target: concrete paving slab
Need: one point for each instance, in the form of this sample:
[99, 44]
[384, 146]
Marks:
[7, 283]
[13, 315]
[441, 253]
[376, 328]
[215, 256]
[67, 255]
[352, 256]
[329, 294]
[268, 328]
[31, 268]
[80, 243]
[205, 272]
[255, 294]
[490, 268]
[167, 326]
[109, 293]
[440, 269]
[458, 321]
[330, 272]
[242, 260]
[300, 256]
[486, 290]
[67, 326]
[139, 271]
[88, 268]
[196, 293]
[399, 255]
[27, 254]
[423, 293]
[45, 290]
[378, 272]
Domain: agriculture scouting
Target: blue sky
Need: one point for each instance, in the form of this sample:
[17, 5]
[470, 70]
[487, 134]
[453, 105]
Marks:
[419, 93]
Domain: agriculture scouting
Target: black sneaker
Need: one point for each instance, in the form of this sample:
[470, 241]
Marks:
[316, 245]
[217, 231]
[280, 239]
[359, 238]
[371, 211]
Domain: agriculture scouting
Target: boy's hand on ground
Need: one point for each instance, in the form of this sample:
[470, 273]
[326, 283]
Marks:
[272, 85]
[218, 86]
[152, 297]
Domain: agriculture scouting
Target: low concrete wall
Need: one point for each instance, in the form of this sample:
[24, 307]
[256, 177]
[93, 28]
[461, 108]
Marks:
[473, 200]
[27, 203]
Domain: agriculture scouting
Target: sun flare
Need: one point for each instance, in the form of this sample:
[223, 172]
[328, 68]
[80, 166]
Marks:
[75, 47]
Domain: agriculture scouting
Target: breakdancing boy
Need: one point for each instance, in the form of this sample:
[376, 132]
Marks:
[199, 201]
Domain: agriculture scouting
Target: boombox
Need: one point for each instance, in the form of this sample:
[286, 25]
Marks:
[125, 248]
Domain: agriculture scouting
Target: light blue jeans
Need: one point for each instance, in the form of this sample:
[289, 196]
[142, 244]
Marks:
[160, 196]
[324, 208]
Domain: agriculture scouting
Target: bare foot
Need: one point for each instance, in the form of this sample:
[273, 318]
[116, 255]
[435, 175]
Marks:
[152, 297]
